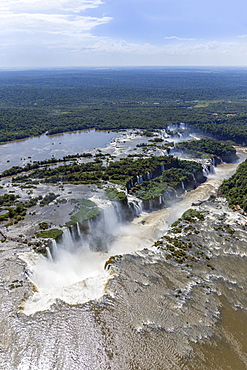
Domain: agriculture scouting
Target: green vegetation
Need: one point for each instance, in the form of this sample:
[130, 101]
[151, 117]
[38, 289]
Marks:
[43, 225]
[14, 210]
[182, 241]
[51, 233]
[38, 102]
[169, 181]
[199, 148]
[235, 188]
[8, 199]
[192, 214]
[48, 198]
[116, 196]
[87, 210]
[165, 172]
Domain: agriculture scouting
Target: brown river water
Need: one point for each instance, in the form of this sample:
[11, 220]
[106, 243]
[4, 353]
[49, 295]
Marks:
[145, 313]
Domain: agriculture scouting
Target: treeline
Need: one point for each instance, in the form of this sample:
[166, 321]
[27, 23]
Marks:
[52, 161]
[199, 148]
[37, 102]
[235, 188]
[121, 171]
[234, 129]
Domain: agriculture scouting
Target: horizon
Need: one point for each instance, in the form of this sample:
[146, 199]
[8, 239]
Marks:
[119, 67]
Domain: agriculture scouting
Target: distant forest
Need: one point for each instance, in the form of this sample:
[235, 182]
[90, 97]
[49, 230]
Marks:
[212, 101]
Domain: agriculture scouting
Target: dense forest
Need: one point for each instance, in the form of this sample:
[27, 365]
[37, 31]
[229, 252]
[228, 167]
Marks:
[203, 147]
[212, 101]
[120, 172]
[235, 188]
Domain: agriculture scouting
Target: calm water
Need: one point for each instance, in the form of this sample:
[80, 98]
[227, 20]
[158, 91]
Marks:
[44, 147]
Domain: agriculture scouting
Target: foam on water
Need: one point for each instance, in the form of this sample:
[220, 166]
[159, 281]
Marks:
[77, 275]
[73, 278]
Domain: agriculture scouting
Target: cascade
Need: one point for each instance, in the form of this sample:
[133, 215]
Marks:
[54, 248]
[78, 230]
[211, 169]
[160, 200]
[205, 170]
[67, 240]
[194, 179]
[49, 256]
[136, 203]
[182, 185]
[139, 179]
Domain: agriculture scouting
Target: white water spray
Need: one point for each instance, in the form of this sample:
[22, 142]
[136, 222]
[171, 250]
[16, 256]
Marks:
[77, 275]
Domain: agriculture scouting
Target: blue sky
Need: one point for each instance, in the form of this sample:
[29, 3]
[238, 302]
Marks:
[78, 33]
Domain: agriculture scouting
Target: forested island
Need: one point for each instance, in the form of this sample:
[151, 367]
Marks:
[211, 148]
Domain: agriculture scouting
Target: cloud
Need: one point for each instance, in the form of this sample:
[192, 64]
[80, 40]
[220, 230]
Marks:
[46, 22]
[31, 6]
[178, 38]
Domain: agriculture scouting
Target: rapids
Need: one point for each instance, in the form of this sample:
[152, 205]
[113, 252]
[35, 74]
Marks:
[144, 312]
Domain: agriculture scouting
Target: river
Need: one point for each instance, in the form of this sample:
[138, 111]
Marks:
[22, 152]
[146, 312]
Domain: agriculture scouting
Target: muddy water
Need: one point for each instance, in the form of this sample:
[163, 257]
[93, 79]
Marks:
[154, 314]
[79, 276]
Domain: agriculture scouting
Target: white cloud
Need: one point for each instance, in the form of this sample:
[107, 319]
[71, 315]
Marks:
[178, 38]
[46, 22]
[31, 6]
[61, 31]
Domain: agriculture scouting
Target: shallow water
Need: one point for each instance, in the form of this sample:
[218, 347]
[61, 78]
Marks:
[48, 146]
[45, 147]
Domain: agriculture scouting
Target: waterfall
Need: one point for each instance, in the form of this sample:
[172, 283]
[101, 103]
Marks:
[136, 203]
[54, 248]
[211, 169]
[111, 216]
[194, 179]
[78, 230]
[182, 185]
[49, 256]
[139, 179]
[205, 171]
[67, 240]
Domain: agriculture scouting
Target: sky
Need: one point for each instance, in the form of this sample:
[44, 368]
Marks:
[84, 33]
